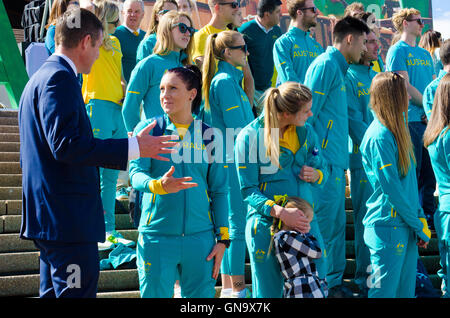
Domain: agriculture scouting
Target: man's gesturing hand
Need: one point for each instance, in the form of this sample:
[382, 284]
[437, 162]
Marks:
[153, 146]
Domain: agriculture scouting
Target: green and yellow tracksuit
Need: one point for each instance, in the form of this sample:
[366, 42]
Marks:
[177, 231]
[394, 220]
[260, 182]
[358, 80]
[230, 108]
[440, 159]
[326, 79]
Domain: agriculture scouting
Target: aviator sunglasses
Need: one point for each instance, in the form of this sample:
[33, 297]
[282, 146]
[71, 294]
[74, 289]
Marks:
[419, 20]
[184, 28]
[240, 47]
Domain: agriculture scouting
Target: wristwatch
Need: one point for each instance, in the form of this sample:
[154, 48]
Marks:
[225, 242]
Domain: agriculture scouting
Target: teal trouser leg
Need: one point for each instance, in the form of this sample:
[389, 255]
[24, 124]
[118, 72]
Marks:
[330, 214]
[361, 190]
[442, 226]
[258, 101]
[234, 259]
[267, 281]
[233, 262]
[107, 122]
[321, 263]
[393, 255]
[161, 258]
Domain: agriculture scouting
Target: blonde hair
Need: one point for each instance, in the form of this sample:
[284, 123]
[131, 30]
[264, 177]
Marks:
[398, 18]
[106, 11]
[351, 8]
[440, 113]
[430, 41]
[389, 100]
[57, 10]
[289, 97]
[293, 5]
[292, 202]
[159, 4]
[164, 38]
[215, 48]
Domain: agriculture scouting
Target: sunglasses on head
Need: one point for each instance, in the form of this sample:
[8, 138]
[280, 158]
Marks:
[313, 9]
[419, 20]
[115, 22]
[163, 12]
[233, 5]
[239, 47]
[184, 28]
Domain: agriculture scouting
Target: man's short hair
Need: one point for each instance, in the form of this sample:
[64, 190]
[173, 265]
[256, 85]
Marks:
[74, 25]
[293, 5]
[444, 52]
[129, 2]
[349, 25]
[267, 6]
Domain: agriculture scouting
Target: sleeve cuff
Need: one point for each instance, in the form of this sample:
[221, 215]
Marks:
[156, 187]
[320, 176]
[133, 148]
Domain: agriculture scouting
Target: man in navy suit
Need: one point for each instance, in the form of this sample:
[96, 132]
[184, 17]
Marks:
[61, 208]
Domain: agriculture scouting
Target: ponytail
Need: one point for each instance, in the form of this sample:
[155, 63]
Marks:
[209, 68]
[289, 97]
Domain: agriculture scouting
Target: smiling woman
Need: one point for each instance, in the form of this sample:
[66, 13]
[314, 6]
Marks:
[171, 50]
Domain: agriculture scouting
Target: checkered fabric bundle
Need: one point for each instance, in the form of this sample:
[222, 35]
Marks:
[295, 253]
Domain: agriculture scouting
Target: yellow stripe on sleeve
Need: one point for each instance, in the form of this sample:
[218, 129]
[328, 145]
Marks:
[232, 108]
[133, 92]
[385, 166]
[320, 176]
[320, 93]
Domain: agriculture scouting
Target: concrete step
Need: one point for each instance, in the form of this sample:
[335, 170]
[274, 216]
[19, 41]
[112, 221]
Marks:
[9, 156]
[9, 121]
[9, 112]
[10, 168]
[11, 223]
[9, 129]
[10, 207]
[10, 193]
[9, 137]
[11, 242]
[9, 147]
[10, 180]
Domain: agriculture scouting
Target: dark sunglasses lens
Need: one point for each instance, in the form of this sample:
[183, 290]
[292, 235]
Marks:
[234, 5]
[182, 27]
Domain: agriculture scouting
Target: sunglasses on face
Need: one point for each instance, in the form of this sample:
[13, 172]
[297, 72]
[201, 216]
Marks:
[419, 20]
[233, 5]
[240, 47]
[184, 28]
[313, 9]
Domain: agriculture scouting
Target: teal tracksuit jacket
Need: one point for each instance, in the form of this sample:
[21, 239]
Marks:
[430, 92]
[326, 79]
[230, 108]
[293, 53]
[358, 80]
[392, 223]
[259, 182]
[182, 217]
[439, 152]
[146, 47]
[144, 87]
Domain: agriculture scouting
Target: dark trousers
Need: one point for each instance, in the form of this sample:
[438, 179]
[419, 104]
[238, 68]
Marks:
[425, 175]
[68, 269]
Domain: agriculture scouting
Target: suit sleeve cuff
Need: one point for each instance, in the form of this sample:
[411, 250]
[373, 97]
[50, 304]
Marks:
[133, 148]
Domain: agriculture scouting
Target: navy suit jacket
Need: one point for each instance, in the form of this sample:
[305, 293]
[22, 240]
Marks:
[60, 157]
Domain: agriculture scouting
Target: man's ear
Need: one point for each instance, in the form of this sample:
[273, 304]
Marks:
[349, 38]
[86, 41]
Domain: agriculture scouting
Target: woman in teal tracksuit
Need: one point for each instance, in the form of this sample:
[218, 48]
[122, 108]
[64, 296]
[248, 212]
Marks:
[183, 225]
[394, 223]
[147, 45]
[437, 140]
[172, 50]
[267, 169]
[227, 106]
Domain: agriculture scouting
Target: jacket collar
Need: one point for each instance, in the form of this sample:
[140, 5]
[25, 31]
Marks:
[235, 73]
[337, 56]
